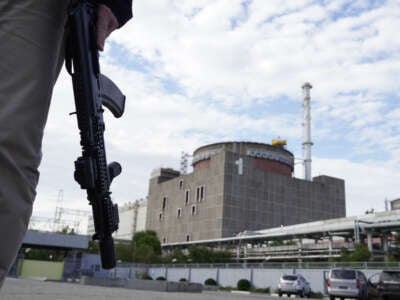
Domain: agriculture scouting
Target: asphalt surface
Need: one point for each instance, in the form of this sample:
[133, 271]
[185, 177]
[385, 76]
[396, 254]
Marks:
[29, 289]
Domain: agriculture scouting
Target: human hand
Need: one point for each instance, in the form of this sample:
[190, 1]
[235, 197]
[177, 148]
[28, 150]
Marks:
[106, 23]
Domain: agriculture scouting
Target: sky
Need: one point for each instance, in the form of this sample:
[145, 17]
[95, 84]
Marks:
[196, 72]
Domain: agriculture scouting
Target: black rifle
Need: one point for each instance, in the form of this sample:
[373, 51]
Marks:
[92, 90]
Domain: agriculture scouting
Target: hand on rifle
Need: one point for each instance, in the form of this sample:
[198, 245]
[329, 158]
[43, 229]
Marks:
[106, 23]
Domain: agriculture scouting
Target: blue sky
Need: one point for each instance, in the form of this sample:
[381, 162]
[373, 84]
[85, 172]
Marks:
[198, 72]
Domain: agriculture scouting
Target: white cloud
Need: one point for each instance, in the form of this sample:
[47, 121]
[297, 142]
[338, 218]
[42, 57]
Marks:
[228, 58]
[259, 58]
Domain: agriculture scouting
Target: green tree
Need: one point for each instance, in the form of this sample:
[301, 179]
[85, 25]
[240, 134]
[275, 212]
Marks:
[66, 230]
[344, 254]
[124, 252]
[146, 247]
[360, 253]
[93, 247]
[145, 254]
[276, 243]
[221, 256]
[201, 254]
[177, 256]
[290, 243]
[44, 254]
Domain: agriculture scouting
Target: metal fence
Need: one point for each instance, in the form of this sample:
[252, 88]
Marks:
[286, 265]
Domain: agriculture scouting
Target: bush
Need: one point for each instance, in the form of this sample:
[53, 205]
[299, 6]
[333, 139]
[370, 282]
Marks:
[210, 281]
[183, 280]
[243, 285]
[226, 288]
[161, 278]
[317, 295]
[145, 277]
[266, 290]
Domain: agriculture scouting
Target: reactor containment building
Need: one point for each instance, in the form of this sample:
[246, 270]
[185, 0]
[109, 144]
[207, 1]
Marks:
[234, 187]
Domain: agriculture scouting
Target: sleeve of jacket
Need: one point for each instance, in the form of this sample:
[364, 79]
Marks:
[122, 9]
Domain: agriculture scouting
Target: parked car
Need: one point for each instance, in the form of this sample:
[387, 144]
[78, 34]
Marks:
[385, 285]
[294, 284]
[347, 283]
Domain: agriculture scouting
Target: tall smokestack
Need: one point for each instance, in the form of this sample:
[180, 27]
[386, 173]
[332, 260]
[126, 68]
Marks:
[307, 131]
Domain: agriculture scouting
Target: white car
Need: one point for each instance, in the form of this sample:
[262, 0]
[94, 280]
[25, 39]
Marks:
[294, 284]
[347, 283]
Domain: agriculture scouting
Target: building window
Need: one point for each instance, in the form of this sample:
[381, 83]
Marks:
[180, 184]
[194, 210]
[200, 193]
[179, 212]
[160, 216]
[188, 238]
[164, 203]
[164, 240]
[187, 197]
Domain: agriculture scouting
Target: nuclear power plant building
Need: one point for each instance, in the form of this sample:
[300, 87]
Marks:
[234, 187]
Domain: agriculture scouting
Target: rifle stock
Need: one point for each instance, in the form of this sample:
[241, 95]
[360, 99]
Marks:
[91, 93]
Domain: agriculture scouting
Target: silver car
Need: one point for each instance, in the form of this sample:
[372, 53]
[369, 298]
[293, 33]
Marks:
[347, 283]
[294, 284]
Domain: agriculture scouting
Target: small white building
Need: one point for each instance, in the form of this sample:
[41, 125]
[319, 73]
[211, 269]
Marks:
[395, 204]
[132, 218]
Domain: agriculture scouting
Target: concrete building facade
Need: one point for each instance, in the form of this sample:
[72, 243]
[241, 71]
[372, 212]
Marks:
[132, 218]
[395, 204]
[237, 186]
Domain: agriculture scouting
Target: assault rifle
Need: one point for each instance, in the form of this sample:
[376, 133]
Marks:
[92, 90]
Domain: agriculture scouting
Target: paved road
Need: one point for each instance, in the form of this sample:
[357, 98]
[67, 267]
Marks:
[28, 289]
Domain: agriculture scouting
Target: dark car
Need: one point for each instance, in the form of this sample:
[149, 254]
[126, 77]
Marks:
[385, 285]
